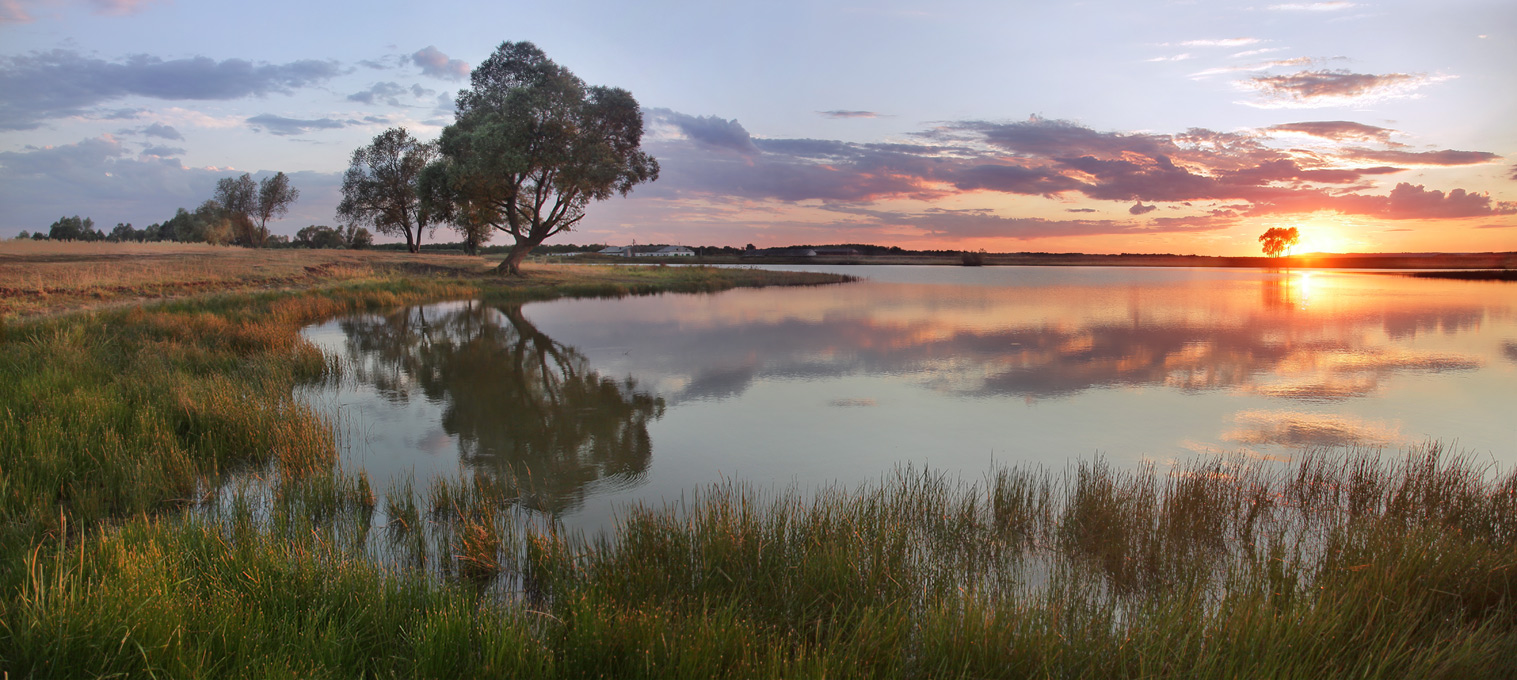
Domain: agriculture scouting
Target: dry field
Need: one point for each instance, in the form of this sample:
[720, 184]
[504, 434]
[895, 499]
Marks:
[39, 278]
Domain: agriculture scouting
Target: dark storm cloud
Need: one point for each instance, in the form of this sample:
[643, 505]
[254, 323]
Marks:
[279, 125]
[1338, 130]
[848, 114]
[436, 64]
[59, 83]
[1312, 86]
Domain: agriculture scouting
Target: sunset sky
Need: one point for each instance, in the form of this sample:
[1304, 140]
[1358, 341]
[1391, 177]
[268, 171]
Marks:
[1184, 127]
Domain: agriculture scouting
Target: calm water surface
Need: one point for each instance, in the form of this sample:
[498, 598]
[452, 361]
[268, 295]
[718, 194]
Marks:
[601, 402]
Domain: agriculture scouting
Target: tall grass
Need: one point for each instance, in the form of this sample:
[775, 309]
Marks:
[1339, 565]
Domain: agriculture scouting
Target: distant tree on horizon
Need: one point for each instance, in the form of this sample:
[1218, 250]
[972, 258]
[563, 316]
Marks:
[73, 229]
[249, 206]
[1279, 240]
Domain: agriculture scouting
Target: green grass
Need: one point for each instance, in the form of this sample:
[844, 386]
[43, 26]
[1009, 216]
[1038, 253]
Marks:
[1336, 566]
[167, 509]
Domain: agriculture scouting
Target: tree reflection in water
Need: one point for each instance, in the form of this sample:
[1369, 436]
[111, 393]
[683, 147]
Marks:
[523, 407]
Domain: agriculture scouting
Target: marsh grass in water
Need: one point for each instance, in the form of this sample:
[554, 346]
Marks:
[1338, 565]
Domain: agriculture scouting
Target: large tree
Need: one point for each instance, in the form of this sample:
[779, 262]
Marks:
[249, 206]
[381, 186]
[533, 145]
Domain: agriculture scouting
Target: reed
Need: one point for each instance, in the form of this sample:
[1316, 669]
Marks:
[916, 575]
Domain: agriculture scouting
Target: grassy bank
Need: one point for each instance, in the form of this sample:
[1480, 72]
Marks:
[123, 552]
[1332, 567]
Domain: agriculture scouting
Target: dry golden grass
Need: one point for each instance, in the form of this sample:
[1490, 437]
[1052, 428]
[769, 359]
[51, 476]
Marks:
[39, 278]
[43, 277]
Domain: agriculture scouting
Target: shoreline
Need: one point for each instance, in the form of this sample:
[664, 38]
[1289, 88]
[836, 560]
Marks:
[1504, 261]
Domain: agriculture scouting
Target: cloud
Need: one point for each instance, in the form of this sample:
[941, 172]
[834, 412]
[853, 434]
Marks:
[848, 114]
[1264, 66]
[1225, 42]
[985, 223]
[119, 7]
[708, 131]
[1337, 130]
[279, 125]
[162, 132]
[60, 83]
[1446, 157]
[385, 92]
[438, 65]
[163, 151]
[1178, 57]
[12, 11]
[1334, 88]
[716, 158]
[1407, 201]
[1013, 179]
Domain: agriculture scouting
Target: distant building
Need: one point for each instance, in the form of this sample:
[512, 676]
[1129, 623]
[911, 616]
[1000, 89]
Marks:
[648, 251]
[670, 251]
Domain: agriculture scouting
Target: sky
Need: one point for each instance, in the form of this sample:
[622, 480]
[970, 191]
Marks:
[1099, 127]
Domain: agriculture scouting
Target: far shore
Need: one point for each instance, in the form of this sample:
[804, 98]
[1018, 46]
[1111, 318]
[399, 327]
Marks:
[1426, 261]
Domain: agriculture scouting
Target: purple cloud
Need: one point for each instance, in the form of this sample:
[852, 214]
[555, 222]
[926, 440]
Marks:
[436, 64]
[60, 83]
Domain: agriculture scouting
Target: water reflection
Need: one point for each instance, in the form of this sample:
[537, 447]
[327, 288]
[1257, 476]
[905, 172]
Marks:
[518, 404]
[603, 401]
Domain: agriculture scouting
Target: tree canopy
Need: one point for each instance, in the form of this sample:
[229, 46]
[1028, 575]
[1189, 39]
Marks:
[533, 145]
[381, 186]
[249, 206]
[1279, 240]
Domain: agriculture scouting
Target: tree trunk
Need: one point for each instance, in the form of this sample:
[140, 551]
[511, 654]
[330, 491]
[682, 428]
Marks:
[512, 264]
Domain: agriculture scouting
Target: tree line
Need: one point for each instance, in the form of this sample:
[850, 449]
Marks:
[530, 148]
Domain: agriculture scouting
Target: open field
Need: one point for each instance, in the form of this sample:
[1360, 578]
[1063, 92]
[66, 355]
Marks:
[42, 277]
[128, 550]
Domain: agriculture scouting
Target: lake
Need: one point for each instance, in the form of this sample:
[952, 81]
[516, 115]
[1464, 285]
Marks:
[598, 402]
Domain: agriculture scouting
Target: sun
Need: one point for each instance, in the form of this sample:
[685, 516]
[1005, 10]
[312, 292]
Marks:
[1317, 237]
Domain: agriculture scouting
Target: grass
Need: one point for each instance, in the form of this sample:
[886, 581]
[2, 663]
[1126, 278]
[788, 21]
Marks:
[1334, 566]
[128, 550]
